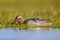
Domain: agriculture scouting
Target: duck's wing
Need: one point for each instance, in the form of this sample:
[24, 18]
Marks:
[32, 20]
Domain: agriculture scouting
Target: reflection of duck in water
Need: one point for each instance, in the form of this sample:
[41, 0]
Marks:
[33, 21]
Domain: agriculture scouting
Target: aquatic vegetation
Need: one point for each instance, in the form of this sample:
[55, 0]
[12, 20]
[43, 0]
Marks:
[28, 9]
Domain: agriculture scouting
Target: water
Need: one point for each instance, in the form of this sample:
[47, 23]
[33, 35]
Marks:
[12, 34]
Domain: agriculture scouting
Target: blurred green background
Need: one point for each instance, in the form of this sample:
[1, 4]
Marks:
[9, 9]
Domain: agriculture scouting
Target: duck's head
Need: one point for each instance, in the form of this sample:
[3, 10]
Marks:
[20, 19]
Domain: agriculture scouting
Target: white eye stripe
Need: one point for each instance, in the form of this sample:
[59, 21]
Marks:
[19, 17]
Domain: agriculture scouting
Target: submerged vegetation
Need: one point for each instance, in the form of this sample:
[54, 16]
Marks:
[48, 9]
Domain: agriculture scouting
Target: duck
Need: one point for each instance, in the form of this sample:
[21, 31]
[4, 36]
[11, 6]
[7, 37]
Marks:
[32, 21]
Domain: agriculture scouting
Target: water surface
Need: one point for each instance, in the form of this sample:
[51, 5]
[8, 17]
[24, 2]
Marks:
[12, 34]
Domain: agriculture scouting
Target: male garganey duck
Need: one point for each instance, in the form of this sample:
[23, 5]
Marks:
[33, 21]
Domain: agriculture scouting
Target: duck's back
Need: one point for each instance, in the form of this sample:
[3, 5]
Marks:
[37, 22]
[33, 21]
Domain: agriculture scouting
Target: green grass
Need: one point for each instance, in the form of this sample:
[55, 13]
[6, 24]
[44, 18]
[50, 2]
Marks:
[9, 9]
